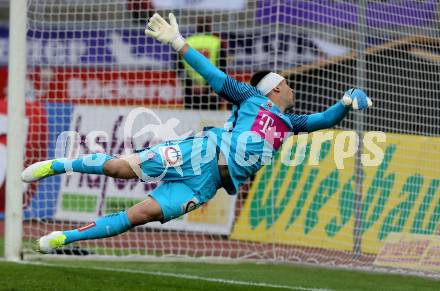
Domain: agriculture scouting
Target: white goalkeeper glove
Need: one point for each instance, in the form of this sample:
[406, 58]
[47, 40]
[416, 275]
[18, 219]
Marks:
[357, 99]
[165, 32]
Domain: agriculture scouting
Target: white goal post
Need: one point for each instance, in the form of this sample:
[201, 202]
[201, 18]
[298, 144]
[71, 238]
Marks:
[16, 130]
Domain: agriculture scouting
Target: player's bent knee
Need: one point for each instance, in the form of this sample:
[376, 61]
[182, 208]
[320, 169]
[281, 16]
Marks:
[119, 168]
[111, 168]
[144, 212]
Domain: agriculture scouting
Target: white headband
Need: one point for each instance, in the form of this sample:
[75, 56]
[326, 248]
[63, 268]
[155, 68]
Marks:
[269, 82]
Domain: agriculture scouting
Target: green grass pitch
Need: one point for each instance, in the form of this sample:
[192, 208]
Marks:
[117, 275]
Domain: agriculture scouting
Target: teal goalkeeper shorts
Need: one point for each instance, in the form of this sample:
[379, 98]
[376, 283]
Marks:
[188, 172]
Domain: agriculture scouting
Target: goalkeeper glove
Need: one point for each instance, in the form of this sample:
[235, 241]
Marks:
[357, 99]
[165, 32]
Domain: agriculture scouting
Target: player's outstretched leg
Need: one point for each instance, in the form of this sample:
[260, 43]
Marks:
[98, 163]
[106, 226]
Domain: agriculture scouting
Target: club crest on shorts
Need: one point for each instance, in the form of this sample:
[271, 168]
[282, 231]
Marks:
[171, 155]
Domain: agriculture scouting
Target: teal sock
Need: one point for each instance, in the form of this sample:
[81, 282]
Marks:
[106, 226]
[90, 164]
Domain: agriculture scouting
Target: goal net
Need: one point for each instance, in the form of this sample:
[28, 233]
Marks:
[96, 82]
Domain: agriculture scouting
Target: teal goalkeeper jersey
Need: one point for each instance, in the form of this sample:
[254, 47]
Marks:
[256, 128]
[251, 136]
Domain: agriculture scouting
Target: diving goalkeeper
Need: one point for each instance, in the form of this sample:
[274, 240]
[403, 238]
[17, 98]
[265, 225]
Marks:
[192, 169]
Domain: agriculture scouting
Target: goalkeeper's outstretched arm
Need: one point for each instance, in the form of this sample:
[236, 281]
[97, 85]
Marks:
[224, 85]
[353, 98]
[317, 121]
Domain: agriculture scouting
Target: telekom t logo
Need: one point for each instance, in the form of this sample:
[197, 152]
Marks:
[270, 127]
[266, 122]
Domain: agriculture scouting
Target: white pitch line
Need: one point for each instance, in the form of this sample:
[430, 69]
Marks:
[180, 276]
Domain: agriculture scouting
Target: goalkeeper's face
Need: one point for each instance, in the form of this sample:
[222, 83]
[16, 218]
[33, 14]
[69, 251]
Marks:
[286, 93]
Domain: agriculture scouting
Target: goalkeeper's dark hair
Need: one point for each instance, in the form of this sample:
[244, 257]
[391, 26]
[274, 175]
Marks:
[258, 76]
